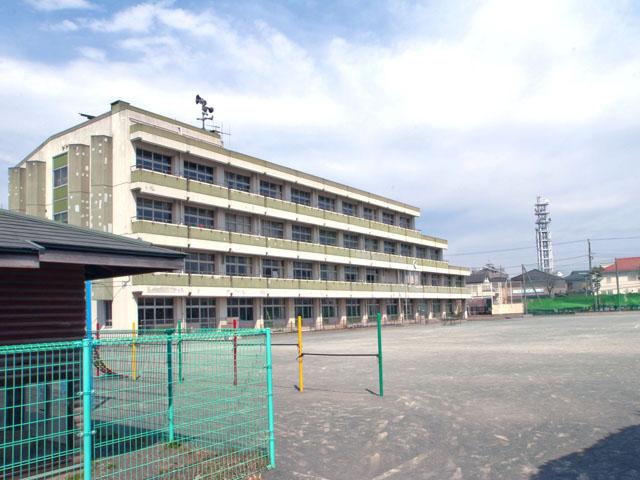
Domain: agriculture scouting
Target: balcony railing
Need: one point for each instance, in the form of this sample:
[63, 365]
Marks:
[260, 283]
[210, 189]
[184, 231]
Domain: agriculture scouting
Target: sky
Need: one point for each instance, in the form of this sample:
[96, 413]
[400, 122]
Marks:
[466, 109]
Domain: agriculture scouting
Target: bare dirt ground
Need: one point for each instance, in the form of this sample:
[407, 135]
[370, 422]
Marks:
[536, 398]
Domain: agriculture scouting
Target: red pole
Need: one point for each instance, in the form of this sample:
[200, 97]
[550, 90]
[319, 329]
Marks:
[235, 353]
[98, 338]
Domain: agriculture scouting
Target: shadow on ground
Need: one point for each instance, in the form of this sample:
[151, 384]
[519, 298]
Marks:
[614, 457]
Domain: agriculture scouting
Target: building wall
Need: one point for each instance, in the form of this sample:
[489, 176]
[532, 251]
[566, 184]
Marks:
[105, 185]
[629, 282]
[42, 305]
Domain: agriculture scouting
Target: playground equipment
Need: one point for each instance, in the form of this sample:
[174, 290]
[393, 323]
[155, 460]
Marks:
[302, 354]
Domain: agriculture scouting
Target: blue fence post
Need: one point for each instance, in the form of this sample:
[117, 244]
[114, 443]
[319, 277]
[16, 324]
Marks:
[86, 407]
[272, 442]
[170, 387]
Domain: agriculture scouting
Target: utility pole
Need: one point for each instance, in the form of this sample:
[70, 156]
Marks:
[617, 283]
[591, 275]
[524, 290]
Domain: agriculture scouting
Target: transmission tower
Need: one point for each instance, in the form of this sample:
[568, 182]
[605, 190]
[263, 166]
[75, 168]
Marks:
[543, 235]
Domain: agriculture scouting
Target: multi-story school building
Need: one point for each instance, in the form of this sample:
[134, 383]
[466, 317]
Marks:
[265, 243]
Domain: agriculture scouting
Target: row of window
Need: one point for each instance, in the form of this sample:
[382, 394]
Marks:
[162, 211]
[159, 312]
[238, 265]
[157, 162]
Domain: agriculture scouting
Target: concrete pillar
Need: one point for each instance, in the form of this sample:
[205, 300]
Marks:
[286, 193]
[315, 234]
[314, 198]
[287, 230]
[317, 311]
[258, 312]
[290, 314]
[342, 312]
[383, 308]
[254, 183]
[221, 312]
[364, 311]
[219, 219]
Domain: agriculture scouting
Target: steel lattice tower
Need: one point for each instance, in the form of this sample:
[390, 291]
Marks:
[543, 235]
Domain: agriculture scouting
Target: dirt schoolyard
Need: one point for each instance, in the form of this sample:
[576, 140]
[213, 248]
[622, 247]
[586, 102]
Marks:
[537, 398]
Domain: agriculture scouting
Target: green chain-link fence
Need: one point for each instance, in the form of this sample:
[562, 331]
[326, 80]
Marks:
[172, 406]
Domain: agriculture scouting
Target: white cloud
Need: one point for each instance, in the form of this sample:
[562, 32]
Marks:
[63, 26]
[51, 5]
[477, 120]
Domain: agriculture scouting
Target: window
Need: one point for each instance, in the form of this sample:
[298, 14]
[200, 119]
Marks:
[425, 279]
[387, 217]
[328, 272]
[350, 240]
[421, 252]
[405, 249]
[236, 265]
[328, 237]
[302, 270]
[60, 176]
[392, 309]
[389, 247]
[301, 233]
[353, 308]
[269, 189]
[61, 217]
[237, 181]
[300, 196]
[304, 307]
[436, 254]
[201, 311]
[404, 222]
[350, 273]
[155, 312]
[199, 172]
[272, 229]
[154, 210]
[435, 280]
[104, 312]
[348, 208]
[326, 203]
[273, 309]
[329, 308]
[371, 244]
[372, 275]
[153, 161]
[369, 213]
[240, 308]
[272, 268]
[198, 217]
[199, 262]
[237, 223]
[373, 307]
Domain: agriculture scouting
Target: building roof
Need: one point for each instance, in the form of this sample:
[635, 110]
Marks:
[628, 264]
[538, 276]
[577, 276]
[487, 273]
[25, 241]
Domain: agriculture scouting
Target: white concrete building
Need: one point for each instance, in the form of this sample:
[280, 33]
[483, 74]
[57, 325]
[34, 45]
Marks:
[265, 242]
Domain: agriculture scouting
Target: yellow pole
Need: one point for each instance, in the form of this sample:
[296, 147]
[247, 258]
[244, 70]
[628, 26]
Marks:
[134, 373]
[300, 375]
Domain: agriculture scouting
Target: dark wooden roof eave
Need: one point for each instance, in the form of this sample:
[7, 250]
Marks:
[97, 265]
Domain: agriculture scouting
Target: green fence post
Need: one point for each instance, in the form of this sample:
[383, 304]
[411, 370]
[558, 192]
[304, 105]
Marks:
[272, 442]
[170, 387]
[86, 406]
[381, 389]
[180, 352]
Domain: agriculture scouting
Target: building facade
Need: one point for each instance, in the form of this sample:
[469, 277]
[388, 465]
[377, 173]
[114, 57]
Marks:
[264, 243]
[622, 276]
